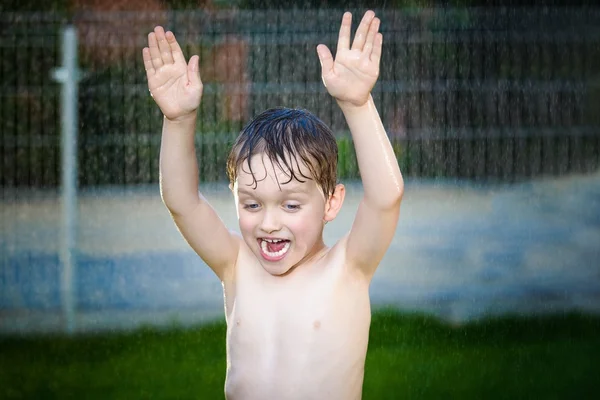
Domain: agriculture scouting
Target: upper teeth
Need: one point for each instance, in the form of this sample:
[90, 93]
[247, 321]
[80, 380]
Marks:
[273, 240]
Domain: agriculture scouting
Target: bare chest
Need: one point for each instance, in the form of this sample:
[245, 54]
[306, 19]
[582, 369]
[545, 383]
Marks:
[312, 305]
[282, 335]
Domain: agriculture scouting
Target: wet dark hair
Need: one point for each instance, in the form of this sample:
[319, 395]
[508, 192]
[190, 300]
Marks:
[288, 137]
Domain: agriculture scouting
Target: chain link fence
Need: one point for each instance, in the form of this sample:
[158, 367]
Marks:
[493, 94]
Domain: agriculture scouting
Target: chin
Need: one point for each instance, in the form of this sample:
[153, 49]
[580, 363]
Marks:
[276, 271]
[275, 268]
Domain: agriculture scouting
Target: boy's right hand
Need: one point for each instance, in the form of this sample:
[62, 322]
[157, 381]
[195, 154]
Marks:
[175, 86]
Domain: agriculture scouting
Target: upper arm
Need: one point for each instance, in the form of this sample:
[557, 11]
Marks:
[206, 233]
[371, 234]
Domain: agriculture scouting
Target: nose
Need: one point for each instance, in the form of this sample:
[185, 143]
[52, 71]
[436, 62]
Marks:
[270, 222]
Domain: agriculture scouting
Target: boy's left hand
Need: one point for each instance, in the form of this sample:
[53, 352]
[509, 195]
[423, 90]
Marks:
[351, 76]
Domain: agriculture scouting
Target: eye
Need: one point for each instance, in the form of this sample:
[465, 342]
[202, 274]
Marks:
[251, 206]
[292, 207]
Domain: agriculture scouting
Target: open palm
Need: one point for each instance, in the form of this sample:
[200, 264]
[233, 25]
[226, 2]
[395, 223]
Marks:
[353, 73]
[175, 85]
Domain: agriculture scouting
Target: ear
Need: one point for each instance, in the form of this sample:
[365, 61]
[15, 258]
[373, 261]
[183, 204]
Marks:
[334, 203]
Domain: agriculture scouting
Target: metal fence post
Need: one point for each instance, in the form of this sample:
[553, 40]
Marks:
[68, 76]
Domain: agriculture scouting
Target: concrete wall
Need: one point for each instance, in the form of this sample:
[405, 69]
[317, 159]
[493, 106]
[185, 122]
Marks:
[461, 252]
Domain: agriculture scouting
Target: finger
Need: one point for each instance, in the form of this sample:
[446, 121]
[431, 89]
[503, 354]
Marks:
[163, 45]
[344, 36]
[376, 53]
[157, 61]
[361, 32]
[194, 71]
[176, 51]
[373, 29]
[148, 62]
[325, 58]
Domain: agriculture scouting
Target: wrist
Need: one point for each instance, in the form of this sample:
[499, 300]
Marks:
[348, 106]
[182, 119]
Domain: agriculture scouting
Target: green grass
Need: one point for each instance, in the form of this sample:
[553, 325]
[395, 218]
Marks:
[409, 357]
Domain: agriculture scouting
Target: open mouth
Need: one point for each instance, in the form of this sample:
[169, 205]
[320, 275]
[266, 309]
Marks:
[273, 249]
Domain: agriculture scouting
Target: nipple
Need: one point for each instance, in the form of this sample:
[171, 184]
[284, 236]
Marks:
[317, 324]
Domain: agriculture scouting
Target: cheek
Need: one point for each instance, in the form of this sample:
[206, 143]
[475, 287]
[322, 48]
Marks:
[307, 225]
[246, 222]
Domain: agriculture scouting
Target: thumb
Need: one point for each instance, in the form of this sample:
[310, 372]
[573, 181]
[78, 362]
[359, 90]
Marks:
[194, 71]
[325, 58]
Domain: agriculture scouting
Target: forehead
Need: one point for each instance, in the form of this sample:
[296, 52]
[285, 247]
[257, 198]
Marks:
[261, 171]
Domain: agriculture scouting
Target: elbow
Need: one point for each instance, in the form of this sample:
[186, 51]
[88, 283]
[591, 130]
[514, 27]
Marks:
[400, 191]
[169, 204]
[177, 203]
[179, 209]
[395, 201]
[392, 198]
[396, 193]
[166, 198]
[388, 202]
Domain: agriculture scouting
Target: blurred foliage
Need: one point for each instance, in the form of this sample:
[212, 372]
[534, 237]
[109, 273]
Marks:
[35, 5]
[67, 5]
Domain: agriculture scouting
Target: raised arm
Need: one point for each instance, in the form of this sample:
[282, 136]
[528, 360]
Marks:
[349, 78]
[177, 89]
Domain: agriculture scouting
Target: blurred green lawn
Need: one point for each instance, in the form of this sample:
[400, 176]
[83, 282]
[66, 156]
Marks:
[410, 357]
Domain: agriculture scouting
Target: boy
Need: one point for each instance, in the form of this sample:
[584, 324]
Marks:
[297, 312]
